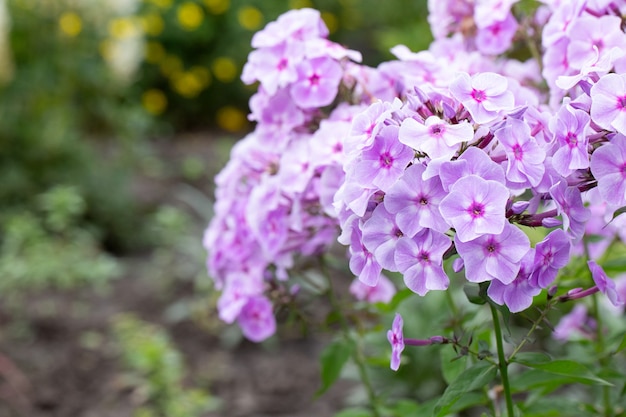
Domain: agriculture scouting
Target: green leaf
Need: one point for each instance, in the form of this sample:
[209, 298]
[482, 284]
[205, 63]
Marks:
[333, 359]
[534, 379]
[617, 212]
[473, 294]
[573, 370]
[451, 365]
[397, 299]
[621, 346]
[531, 357]
[477, 376]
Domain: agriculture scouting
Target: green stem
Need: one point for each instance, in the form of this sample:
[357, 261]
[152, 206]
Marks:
[357, 354]
[532, 329]
[606, 390]
[502, 363]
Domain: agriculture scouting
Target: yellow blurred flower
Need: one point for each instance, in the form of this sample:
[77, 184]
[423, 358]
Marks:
[217, 6]
[249, 17]
[202, 74]
[186, 83]
[332, 23]
[299, 4]
[190, 15]
[171, 64]
[152, 24]
[224, 69]
[154, 52]
[231, 118]
[154, 101]
[122, 28]
[70, 24]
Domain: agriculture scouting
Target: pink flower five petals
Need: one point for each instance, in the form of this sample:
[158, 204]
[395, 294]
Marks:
[494, 256]
[475, 207]
[485, 95]
[524, 156]
[257, 320]
[420, 260]
[396, 339]
[435, 137]
[519, 294]
[608, 102]
[317, 83]
[608, 166]
[605, 284]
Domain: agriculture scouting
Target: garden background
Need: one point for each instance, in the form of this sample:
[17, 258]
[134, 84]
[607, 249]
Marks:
[115, 116]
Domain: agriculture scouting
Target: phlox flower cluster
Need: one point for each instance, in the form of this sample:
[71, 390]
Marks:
[448, 153]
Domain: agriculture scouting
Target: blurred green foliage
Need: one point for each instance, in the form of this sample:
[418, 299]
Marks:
[156, 371]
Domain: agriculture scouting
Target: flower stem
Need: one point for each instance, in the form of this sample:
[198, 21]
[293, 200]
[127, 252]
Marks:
[502, 362]
[606, 390]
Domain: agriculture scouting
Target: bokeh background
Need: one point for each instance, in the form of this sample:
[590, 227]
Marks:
[114, 117]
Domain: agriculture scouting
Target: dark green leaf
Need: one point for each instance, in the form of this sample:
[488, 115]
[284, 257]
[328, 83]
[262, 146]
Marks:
[621, 346]
[573, 370]
[477, 376]
[531, 357]
[333, 359]
[473, 294]
[397, 299]
[617, 212]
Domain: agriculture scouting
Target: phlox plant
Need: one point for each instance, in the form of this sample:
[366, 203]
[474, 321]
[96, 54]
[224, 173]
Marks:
[494, 161]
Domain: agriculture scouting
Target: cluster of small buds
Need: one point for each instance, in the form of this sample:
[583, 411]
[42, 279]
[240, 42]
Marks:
[445, 153]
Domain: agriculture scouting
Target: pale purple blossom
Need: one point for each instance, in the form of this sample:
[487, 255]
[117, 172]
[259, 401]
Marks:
[590, 35]
[484, 95]
[434, 136]
[605, 284]
[420, 260]
[524, 156]
[569, 127]
[475, 207]
[517, 295]
[608, 165]
[257, 319]
[575, 324]
[471, 162]
[608, 103]
[382, 292]
[571, 208]
[551, 254]
[415, 202]
[497, 37]
[383, 163]
[396, 339]
[317, 83]
[494, 256]
[379, 235]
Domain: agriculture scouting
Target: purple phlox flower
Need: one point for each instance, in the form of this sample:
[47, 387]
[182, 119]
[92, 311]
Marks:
[420, 261]
[296, 169]
[319, 47]
[551, 254]
[415, 202]
[327, 142]
[538, 122]
[569, 126]
[589, 34]
[475, 207]
[382, 292]
[497, 37]
[240, 287]
[396, 339]
[273, 67]
[383, 163]
[379, 235]
[488, 12]
[435, 137]
[570, 206]
[591, 70]
[362, 261]
[353, 195]
[317, 83]
[519, 294]
[301, 24]
[268, 218]
[524, 156]
[559, 25]
[608, 166]
[494, 256]
[330, 181]
[605, 284]
[575, 324]
[277, 116]
[471, 162]
[446, 16]
[366, 125]
[608, 103]
[555, 65]
[484, 95]
[257, 319]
